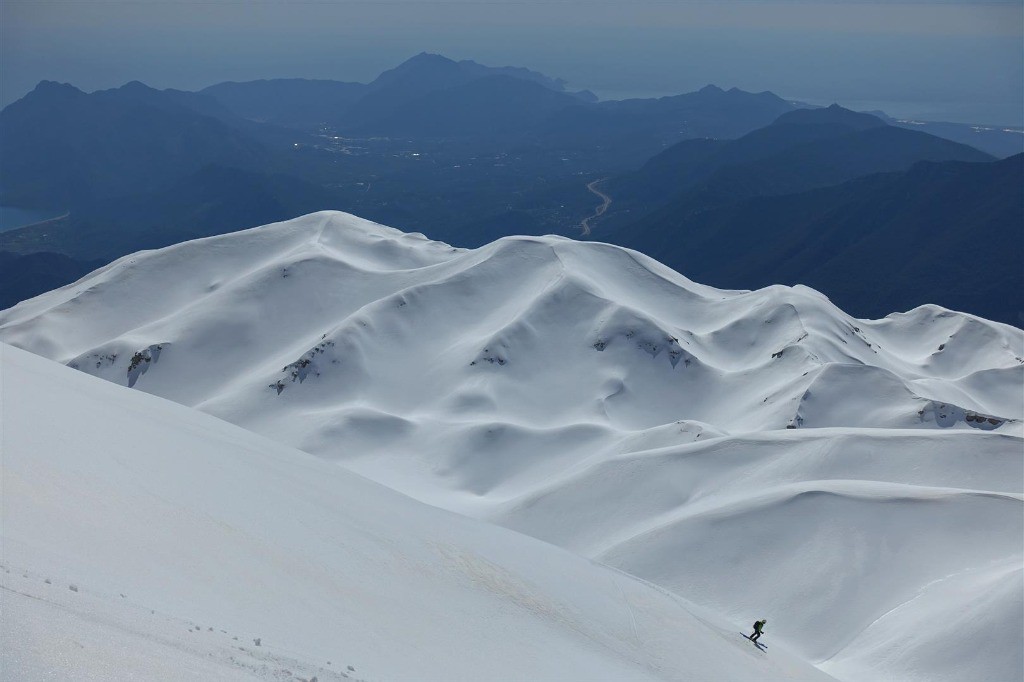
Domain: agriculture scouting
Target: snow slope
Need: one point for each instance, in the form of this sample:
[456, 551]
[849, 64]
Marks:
[760, 453]
[144, 540]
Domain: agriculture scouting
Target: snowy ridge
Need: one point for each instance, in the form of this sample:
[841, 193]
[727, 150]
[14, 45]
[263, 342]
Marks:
[143, 540]
[759, 453]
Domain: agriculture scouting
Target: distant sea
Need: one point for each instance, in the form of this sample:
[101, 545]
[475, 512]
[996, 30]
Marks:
[12, 218]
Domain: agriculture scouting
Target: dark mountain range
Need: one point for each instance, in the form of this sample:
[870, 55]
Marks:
[556, 84]
[464, 153]
[293, 102]
[489, 106]
[800, 150]
[833, 116]
[427, 72]
[397, 87]
[458, 148]
[25, 276]
[310, 104]
[948, 233]
[711, 111]
[432, 96]
[211, 201]
[62, 147]
[639, 128]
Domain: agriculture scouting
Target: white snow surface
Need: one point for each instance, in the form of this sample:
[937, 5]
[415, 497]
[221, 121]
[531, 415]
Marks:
[762, 454]
[144, 540]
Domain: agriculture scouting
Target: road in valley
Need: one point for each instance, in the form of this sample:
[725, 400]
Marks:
[599, 211]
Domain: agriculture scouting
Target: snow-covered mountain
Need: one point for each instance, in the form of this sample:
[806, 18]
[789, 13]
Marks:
[143, 540]
[759, 453]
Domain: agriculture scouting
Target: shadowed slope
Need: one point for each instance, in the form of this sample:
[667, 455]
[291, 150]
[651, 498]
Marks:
[590, 396]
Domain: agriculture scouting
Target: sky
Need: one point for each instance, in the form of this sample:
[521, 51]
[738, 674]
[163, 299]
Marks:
[933, 60]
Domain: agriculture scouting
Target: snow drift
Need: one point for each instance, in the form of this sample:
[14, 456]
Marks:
[760, 453]
[148, 541]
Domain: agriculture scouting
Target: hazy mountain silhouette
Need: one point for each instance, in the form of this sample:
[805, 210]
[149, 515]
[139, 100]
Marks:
[294, 102]
[213, 200]
[498, 151]
[489, 106]
[307, 104]
[800, 150]
[427, 72]
[62, 147]
[833, 115]
[947, 233]
[640, 128]
[415, 96]
[25, 276]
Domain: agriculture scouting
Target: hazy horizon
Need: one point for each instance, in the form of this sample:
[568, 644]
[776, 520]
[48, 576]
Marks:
[957, 61]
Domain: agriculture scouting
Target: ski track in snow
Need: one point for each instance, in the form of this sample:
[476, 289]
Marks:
[65, 626]
[145, 540]
[760, 453]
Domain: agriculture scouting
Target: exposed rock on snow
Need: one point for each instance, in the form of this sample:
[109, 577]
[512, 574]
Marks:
[759, 452]
[189, 548]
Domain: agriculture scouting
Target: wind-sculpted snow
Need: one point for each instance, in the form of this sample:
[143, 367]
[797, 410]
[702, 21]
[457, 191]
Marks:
[143, 540]
[760, 453]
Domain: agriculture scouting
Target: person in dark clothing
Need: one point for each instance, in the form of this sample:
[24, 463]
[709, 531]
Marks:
[758, 627]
